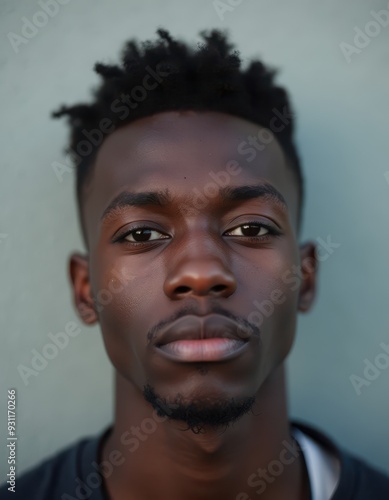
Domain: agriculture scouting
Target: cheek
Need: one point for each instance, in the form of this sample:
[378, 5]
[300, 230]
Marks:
[124, 300]
[277, 309]
[121, 285]
[281, 332]
[279, 337]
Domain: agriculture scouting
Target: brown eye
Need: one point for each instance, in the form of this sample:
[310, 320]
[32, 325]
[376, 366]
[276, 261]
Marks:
[250, 230]
[141, 235]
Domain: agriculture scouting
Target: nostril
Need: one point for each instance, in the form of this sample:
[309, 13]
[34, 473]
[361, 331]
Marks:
[218, 288]
[182, 289]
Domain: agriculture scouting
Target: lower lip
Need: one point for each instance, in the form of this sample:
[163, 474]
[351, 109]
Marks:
[215, 349]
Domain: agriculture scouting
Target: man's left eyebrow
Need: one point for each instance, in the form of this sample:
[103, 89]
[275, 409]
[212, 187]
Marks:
[130, 199]
[242, 193]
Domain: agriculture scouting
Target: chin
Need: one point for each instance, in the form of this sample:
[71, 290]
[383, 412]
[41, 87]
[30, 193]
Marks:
[199, 408]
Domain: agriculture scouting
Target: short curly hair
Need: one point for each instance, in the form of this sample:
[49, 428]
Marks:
[208, 78]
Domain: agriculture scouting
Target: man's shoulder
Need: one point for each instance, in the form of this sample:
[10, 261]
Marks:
[358, 480]
[369, 481]
[57, 477]
[62, 476]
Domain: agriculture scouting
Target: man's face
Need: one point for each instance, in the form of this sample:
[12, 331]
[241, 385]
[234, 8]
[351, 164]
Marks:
[199, 254]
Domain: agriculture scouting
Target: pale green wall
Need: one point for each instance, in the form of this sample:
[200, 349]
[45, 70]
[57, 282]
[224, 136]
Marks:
[343, 136]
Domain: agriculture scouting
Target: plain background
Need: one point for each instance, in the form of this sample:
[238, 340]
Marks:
[342, 134]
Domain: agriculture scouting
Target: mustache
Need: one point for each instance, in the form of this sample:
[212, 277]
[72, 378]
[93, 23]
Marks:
[191, 308]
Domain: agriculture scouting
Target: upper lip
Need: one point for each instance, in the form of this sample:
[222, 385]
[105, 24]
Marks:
[191, 327]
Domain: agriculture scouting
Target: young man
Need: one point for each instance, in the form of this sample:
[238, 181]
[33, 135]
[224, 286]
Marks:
[190, 196]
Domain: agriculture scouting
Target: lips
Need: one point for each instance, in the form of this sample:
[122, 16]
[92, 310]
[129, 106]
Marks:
[205, 338]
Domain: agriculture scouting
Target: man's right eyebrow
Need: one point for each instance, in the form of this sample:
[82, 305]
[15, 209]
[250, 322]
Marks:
[131, 199]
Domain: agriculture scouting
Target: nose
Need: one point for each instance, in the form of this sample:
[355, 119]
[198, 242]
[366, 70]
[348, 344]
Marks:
[200, 273]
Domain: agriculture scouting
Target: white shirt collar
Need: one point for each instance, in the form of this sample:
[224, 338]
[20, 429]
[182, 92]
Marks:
[323, 467]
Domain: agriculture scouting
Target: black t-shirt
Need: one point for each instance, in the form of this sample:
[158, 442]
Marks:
[74, 474]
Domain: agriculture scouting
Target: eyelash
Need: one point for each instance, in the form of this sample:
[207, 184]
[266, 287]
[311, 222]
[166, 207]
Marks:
[271, 233]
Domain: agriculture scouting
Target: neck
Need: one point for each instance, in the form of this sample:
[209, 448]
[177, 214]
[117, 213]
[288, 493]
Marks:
[255, 455]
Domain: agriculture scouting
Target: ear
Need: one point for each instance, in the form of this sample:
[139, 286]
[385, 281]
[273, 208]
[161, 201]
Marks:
[82, 296]
[309, 272]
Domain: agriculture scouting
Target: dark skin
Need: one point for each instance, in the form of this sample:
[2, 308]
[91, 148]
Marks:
[201, 259]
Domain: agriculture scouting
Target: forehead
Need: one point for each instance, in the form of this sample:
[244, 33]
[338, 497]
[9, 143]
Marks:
[183, 151]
